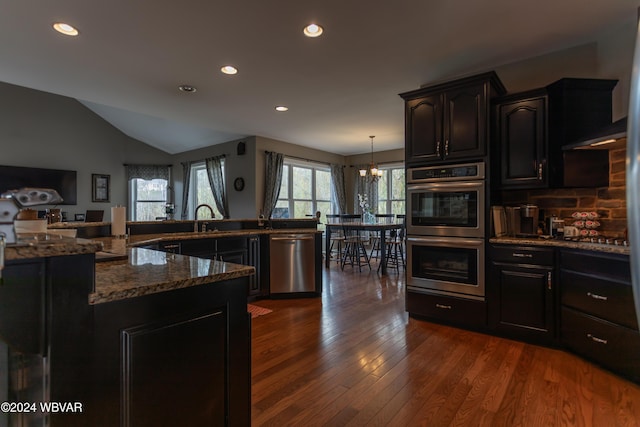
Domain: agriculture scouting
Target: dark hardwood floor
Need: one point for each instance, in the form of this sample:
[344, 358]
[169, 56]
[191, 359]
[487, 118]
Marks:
[354, 357]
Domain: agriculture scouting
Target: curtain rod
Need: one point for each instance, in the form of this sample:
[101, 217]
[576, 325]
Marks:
[127, 164]
[300, 158]
[384, 163]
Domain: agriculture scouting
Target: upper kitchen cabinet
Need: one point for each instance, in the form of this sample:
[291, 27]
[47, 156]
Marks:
[533, 126]
[449, 121]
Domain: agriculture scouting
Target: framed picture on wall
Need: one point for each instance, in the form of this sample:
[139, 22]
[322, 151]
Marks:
[100, 188]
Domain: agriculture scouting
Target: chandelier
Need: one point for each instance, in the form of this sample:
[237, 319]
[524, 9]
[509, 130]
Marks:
[373, 171]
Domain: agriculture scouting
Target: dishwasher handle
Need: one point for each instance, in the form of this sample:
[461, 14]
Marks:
[291, 237]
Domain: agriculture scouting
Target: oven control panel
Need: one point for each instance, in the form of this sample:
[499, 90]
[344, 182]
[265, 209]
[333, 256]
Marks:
[467, 171]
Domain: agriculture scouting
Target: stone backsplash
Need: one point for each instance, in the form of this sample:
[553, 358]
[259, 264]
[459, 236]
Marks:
[609, 202]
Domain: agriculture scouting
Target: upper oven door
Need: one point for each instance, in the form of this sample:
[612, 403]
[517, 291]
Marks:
[446, 209]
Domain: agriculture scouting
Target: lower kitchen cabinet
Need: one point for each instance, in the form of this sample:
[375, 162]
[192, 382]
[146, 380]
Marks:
[244, 250]
[520, 292]
[598, 319]
[459, 311]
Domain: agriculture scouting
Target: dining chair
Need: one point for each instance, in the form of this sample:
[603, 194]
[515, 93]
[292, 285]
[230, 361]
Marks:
[354, 240]
[337, 238]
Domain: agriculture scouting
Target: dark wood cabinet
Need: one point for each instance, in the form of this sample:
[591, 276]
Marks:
[598, 314]
[245, 250]
[449, 121]
[458, 311]
[523, 140]
[180, 357]
[533, 127]
[521, 292]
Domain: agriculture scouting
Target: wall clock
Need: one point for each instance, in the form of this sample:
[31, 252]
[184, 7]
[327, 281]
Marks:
[238, 184]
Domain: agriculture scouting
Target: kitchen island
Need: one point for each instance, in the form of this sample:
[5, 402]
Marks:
[153, 339]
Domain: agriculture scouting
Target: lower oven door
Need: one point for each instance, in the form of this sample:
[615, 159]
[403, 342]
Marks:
[446, 265]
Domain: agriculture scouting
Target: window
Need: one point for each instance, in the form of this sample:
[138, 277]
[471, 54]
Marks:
[148, 198]
[391, 199]
[306, 188]
[200, 192]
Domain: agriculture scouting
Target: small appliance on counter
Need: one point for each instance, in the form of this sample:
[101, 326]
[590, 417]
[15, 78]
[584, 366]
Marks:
[12, 201]
[522, 221]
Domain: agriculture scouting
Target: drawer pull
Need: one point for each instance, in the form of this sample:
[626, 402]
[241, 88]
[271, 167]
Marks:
[519, 255]
[596, 339]
[598, 297]
[444, 307]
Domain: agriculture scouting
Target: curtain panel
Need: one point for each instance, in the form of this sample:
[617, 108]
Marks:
[186, 179]
[148, 172]
[216, 181]
[363, 185]
[339, 187]
[272, 182]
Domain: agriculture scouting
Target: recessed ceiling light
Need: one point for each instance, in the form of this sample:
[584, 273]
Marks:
[65, 29]
[312, 30]
[282, 108]
[229, 69]
[187, 88]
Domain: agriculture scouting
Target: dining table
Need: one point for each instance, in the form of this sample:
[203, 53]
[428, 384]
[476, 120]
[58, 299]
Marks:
[380, 227]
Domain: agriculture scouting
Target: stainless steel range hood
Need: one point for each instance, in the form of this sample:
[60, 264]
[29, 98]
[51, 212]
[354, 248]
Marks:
[610, 137]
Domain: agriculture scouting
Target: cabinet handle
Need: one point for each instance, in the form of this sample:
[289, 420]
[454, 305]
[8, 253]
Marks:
[596, 339]
[540, 171]
[444, 307]
[549, 280]
[171, 246]
[519, 255]
[446, 147]
[596, 296]
[438, 148]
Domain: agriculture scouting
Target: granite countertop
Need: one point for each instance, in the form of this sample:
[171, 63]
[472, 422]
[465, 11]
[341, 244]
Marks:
[146, 271]
[598, 247]
[146, 239]
[42, 245]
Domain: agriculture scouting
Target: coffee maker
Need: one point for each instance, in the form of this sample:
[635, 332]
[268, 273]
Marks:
[528, 220]
[522, 221]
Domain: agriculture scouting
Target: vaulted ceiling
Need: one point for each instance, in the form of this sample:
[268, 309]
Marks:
[130, 57]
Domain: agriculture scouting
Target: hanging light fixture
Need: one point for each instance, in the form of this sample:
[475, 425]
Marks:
[373, 171]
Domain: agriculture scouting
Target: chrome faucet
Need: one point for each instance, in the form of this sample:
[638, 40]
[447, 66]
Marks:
[195, 222]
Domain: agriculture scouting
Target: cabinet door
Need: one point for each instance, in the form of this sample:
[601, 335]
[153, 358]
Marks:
[523, 140]
[254, 260]
[522, 300]
[424, 129]
[465, 123]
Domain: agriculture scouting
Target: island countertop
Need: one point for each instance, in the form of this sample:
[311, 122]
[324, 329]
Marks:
[146, 271]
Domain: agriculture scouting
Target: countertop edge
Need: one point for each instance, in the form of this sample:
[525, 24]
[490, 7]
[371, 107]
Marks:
[596, 247]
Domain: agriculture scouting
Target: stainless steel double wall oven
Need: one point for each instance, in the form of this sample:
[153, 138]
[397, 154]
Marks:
[446, 230]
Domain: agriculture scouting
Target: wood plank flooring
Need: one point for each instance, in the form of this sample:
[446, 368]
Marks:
[355, 358]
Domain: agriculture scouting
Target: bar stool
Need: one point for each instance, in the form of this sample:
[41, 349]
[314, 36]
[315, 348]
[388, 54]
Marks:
[375, 245]
[337, 238]
[354, 250]
[395, 250]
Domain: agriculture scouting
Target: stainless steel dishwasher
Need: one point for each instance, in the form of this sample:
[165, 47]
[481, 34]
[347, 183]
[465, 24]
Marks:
[292, 265]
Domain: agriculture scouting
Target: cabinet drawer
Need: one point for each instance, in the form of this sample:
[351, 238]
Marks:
[606, 299]
[615, 347]
[613, 266]
[521, 254]
[449, 309]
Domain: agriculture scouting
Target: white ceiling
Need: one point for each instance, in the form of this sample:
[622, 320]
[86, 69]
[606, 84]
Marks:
[132, 55]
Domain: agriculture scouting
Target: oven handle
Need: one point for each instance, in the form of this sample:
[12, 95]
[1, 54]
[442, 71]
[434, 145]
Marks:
[445, 241]
[456, 185]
